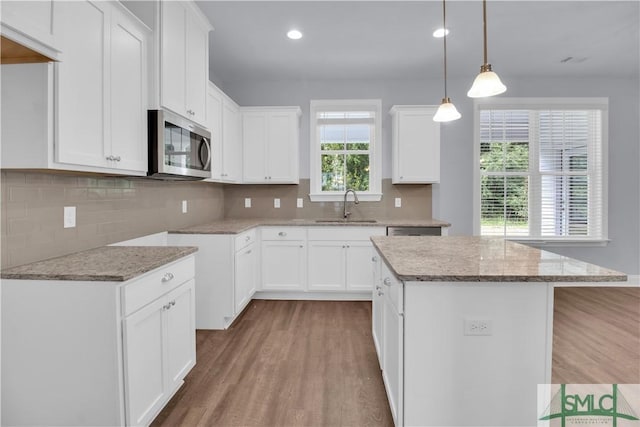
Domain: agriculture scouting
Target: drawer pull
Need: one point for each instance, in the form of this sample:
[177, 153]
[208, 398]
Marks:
[246, 239]
[380, 293]
[172, 303]
[167, 277]
[374, 258]
[282, 233]
[248, 252]
[378, 288]
[387, 281]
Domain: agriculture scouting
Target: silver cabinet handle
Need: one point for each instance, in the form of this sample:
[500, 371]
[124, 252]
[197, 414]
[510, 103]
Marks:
[301, 246]
[167, 277]
[246, 239]
[282, 233]
[172, 303]
[166, 307]
[248, 252]
[117, 158]
[110, 158]
[387, 281]
[380, 293]
[378, 288]
[374, 258]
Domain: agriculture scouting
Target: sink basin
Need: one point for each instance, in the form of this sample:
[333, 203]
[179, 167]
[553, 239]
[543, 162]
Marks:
[345, 221]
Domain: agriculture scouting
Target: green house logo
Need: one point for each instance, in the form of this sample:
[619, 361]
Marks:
[589, 408]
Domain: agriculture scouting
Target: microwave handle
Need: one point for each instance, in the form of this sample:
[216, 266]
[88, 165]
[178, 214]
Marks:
[205, 143]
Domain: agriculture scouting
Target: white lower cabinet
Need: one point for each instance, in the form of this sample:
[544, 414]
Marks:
[340, 258]
[96, 353]
[377, 307]
[246, 277]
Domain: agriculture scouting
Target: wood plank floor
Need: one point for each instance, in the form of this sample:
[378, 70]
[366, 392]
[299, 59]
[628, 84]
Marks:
[312, 363]
[285, 363]
[596, 336]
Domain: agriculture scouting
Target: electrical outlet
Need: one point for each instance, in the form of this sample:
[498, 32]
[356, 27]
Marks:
[69, 216]
[247, 202]
[184, 206]
[300, 202]
[276, 203]
[398, 202]
[478, 327]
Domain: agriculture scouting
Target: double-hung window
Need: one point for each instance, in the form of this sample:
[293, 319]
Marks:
[541, 169]
[345, 149]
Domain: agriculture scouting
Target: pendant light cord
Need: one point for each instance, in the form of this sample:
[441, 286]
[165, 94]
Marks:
[444, 26]
[484, 25]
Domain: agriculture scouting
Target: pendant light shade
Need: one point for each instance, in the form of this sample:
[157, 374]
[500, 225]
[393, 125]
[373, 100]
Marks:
[487, 83]
[447, 111]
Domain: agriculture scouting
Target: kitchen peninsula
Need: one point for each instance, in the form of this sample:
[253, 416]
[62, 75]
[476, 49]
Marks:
[463, 326]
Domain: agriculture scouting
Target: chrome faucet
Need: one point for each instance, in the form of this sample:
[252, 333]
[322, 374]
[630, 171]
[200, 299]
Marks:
[344, 206]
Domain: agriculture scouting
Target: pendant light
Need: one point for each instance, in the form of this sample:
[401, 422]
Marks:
[447, 112]
[487, 83]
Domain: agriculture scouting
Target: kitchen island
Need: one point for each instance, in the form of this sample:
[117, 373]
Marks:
[463, 326]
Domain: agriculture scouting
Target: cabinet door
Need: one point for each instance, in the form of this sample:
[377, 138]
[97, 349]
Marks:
[173, 57]
[282, 152]
[417, 150]
[326, 266]
[359, 266]
[197, 70]
[283, 265]
[377, 308]
[81, 31]
[245, 276]
[214, 123]
[33, 18]
[181, 333]
[128, 86]
[392, 369]
[232, 142]
[144, 363]
[254, 143]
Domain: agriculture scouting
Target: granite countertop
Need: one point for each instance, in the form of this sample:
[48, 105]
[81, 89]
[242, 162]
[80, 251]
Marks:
[483, 259]
[235, 226]
[104, 264]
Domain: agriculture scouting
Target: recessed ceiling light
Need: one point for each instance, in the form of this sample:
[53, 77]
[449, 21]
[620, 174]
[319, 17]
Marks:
[441, 32]
[294, 34]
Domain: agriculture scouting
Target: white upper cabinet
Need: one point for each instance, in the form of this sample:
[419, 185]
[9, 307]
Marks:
[87, 112]
[223, 119]
[31, 24]
[184, 59]
[270, 139]
[415, 145]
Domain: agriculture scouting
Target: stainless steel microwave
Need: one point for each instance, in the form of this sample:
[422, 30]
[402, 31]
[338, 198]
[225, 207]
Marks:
[178, 148]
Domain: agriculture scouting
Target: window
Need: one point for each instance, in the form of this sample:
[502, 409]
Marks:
[540, 171]
[345, 140]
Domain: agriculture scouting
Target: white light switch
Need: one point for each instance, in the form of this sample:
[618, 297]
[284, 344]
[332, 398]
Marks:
[247, 202]
[184, 206]
[300, 202]
[276, 203]
[398, 202]
[69, 216]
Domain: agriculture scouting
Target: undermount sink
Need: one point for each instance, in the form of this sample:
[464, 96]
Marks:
[347, 221]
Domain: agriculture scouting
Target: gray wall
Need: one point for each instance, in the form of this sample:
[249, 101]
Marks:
[453, 197]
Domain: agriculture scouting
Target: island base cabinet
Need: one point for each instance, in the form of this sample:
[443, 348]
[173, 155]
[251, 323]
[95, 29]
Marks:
[453, 378]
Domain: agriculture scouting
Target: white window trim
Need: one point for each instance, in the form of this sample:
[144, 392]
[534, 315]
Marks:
[537, 104]
[375, 175]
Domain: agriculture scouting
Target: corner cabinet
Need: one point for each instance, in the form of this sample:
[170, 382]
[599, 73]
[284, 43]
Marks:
[270, 140]
[78, 353]
[415, 145]
[184, 59]
[89, 111]
[223, 119]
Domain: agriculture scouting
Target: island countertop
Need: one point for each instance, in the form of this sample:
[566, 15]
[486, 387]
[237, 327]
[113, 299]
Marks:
[104, 264]
[482, 259]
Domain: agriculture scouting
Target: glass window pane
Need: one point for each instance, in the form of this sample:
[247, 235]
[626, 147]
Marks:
[492, 157]
[358, 172]
[516, 156]
[565, 206]
[504, 206]
[358, 137]
[517, 206]
[332, 137]
[333, 177]
[492, 206]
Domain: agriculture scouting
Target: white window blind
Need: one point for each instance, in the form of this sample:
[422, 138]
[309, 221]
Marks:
[542, 172]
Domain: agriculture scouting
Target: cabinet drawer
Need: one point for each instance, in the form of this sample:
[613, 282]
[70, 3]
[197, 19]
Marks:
[392, 288]
[245, 239]
[341, 232]
[284, 233]
[156, 283]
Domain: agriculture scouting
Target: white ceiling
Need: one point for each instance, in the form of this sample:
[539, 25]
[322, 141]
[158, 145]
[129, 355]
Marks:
[392, 39]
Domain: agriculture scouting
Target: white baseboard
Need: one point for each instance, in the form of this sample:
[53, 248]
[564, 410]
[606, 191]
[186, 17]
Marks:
[313, 296]
[633, 280]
